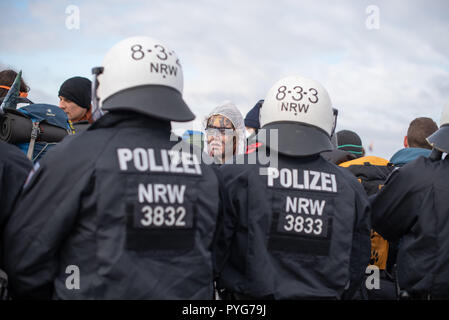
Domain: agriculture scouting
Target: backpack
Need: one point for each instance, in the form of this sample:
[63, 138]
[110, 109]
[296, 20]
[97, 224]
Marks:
[35, 128]
[372, 172]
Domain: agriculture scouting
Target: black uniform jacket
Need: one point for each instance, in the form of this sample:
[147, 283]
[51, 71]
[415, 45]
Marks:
[298, 230]
[414, 206]
[116, 212]
[14, 169]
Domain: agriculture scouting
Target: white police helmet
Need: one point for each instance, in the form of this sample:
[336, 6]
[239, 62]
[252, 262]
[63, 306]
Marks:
[302, 112]
[144, 75]
[440, 138]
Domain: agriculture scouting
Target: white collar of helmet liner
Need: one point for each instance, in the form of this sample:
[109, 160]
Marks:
[143, 75]
[440, 138]
[300, 111]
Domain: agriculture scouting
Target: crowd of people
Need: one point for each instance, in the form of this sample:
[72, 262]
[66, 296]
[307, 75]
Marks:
[99, 200]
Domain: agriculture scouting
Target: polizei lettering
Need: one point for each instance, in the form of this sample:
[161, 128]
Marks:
[151, 160]
[301, 180]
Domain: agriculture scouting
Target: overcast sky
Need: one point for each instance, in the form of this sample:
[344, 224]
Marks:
[379, 78]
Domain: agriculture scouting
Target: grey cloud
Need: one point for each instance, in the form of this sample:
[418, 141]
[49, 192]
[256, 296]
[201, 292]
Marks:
[380, 79]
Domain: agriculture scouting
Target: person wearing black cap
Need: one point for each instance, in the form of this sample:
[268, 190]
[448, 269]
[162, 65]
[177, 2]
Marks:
[350, 141]
[252, 126]
[336, 155]
[75, 99]
[252, 123]
[372, 172]
[125, 209]
[296, 227]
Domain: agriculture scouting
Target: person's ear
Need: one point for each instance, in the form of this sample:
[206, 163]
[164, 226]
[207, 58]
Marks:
[405, 142]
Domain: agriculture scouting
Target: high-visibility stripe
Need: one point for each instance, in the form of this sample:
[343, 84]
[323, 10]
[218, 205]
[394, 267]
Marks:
[349, 145]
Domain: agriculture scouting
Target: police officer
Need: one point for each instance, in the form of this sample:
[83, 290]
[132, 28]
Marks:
[414, 208]
[298, 228]
[120, 211]
[14, 168]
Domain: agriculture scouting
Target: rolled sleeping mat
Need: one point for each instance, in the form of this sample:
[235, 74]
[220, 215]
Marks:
[16, 128]
[51, 133]
[435, 155]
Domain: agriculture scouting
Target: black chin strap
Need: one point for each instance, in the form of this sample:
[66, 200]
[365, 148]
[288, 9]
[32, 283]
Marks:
[335, 114]
[97, 113]
[435, 155]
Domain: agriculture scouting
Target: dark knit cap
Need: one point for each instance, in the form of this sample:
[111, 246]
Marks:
[78, 90]
[252, 117]
[350, 141]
